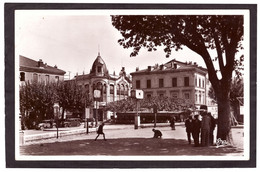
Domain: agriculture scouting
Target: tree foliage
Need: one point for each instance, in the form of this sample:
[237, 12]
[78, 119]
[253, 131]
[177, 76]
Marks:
[200, 33]
[162, 104]
[72, 97]
[37, 100]
[203, 34]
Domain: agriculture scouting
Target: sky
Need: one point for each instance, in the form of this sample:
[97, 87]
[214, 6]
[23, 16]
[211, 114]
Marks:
[72, 42]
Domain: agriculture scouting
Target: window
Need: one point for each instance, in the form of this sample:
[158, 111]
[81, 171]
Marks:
[118, 89]
[203, 84]
[35, 77]
[174, 94]
[174, 82]
[161, 84]
[186, 95]
[56, 79]
[87, 88]
[126, 90]
[105, 89]
[111, 89]
[186, 81]
[47, 78]
[148, 83]
[138, 84]
[111, 92]
[161, 95]
[199, 83]
[99, 69]
[22, 76]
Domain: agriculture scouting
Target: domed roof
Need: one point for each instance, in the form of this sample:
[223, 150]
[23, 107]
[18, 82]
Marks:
[99, 67]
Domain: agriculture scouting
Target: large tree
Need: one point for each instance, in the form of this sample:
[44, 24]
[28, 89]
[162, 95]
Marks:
[36, 102]
[200, 33]
[72, 97]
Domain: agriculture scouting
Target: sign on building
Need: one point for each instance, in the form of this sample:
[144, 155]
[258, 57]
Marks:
[138, 94]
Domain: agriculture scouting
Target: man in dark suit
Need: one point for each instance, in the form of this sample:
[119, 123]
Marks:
[196, 130]
[189, 128]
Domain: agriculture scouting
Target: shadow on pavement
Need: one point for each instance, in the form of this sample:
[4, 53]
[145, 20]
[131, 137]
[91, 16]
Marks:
[127, 146]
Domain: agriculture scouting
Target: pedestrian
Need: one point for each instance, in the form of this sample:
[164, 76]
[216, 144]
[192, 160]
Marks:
[196, 125]
[100, 131]
[205, 129]
[212, 128]
[189, 128]
[173, 123]
[157, 133]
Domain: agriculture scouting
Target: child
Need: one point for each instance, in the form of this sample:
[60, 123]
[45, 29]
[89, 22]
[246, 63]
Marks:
[157, 134]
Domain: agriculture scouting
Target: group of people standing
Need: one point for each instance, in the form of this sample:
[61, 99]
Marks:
[201, 131]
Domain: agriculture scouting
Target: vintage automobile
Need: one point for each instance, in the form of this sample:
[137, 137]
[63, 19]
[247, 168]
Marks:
[45, 124]
[71, 122]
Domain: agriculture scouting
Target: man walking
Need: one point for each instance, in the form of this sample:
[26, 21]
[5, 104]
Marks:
[100, 131]
[188, 125]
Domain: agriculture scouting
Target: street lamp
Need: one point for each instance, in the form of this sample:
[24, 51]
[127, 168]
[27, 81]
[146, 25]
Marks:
[56, 116]
[155, 114]
[97, 95]
[137, 94]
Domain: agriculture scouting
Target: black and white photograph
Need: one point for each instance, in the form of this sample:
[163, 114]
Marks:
[136, 83]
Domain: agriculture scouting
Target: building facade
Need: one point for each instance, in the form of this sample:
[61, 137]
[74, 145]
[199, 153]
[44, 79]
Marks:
[173, 79]
[37, 71]
[112, 87]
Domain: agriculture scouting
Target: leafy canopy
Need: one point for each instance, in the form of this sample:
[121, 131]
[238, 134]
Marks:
[200, 33]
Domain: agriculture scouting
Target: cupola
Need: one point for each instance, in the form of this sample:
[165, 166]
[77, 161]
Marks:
[99, 67]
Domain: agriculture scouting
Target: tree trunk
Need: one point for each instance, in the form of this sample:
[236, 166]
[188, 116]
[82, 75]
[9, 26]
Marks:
[224, 116]
[62, 113]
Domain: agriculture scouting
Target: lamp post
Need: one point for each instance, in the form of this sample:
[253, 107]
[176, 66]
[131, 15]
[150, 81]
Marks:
[56, 115]
[155, 114]
[97, 94]
[137, 94]
[86, 117]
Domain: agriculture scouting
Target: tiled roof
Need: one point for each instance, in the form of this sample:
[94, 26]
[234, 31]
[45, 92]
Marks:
[29, 65]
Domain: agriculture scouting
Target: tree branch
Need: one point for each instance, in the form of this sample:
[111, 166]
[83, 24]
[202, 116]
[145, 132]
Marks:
[219, 52]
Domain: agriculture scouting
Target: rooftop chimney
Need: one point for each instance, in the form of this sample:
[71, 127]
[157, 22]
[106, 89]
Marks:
[161, 67]
[40, 63]
[175, 66]
[149, 68]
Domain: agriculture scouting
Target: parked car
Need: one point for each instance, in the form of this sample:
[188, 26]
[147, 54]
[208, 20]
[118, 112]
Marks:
[45, 124]
[71, 122]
